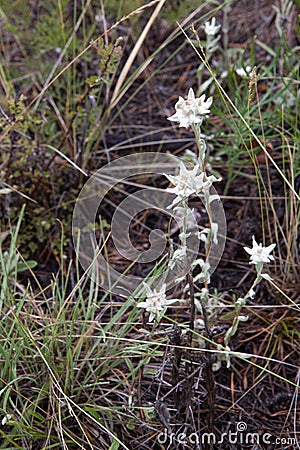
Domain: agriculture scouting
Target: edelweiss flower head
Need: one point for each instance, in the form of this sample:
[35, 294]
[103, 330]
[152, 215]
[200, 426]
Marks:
[191, 111]
[156, 302]
[188, 183]
[244, 73]
[211, 28]
[258, 253]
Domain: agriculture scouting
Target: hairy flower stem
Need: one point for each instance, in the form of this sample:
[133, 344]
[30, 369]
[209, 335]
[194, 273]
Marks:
[208, 210]
[200, 146]
[201, 158]
[208, 372]
[189, 277]
[190, 282]
[238, 307]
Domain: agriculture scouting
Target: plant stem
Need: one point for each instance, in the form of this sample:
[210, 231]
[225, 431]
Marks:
[190, 281]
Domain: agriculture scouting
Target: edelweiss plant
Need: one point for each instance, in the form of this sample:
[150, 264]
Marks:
[211, 30]
[259, 255]
[228, 57]
[191, 112]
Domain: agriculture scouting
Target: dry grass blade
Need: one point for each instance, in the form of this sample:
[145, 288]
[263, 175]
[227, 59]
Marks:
[117, 95]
